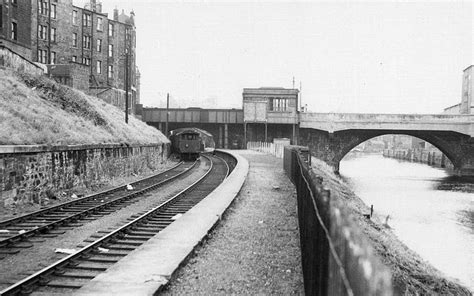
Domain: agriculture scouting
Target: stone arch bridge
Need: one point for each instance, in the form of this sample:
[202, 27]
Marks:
[330, 136]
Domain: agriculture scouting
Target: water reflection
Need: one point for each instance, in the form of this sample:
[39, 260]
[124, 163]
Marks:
[430, 211]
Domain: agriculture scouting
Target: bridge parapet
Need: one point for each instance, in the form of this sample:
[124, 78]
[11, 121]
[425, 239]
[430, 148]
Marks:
[333, 122]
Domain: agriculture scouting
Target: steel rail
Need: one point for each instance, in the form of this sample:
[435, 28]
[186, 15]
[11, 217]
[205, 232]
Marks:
[25, 286]
[57, 223]
[8, 222]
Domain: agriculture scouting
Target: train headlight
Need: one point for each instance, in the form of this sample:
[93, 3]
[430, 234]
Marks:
[186, 145]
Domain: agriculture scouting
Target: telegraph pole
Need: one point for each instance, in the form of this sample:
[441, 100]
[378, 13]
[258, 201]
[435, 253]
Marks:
[126, 85]
[167, 113]
[301, 99]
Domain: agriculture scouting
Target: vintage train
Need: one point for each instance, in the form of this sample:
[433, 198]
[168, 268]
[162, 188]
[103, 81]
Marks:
[186, 143]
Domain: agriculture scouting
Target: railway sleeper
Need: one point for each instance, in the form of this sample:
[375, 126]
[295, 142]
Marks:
[128, 242]
[48, 235]
[72, 284]
[140, 233]
[8, 251]
[144, 229]
[102, 259]
[85, 275]
[87, 265]
[120, 247]
[138, 237]
[53, 216]
[160, 217]
[19, 228]
[158, 224]
[118, 253]
[22, 245]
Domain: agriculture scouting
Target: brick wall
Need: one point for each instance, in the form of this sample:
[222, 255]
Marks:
[29, 174]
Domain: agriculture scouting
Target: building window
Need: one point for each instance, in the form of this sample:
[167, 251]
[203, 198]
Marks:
[86, 42]
[42, 31]
[14, 31]
[86, 20]
[14, 2]
[86, 61]
[53, 34]
[74, 59]
[99, 67]
[110, 71]
[42, 55]
[279, 104]
[111, 50]
[53, 11]
[52, 58]
[74, 17]
[99, 24]
[99, 45]
[111, 30]
[74, 39]
[43, 7]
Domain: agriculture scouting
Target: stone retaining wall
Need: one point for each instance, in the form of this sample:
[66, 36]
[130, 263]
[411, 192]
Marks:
[433, 158]
[10, 59]
[31, 173]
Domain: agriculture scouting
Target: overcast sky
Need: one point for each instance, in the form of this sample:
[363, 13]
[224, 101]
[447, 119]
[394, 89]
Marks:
[350, 56]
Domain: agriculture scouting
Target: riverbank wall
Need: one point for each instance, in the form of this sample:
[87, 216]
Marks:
[30, 174]
[429, 157]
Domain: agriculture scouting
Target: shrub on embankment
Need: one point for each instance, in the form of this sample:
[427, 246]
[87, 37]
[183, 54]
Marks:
[411, 275]
[37, 110]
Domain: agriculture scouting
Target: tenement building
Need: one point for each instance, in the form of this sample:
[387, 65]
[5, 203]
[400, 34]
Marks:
[81, 46]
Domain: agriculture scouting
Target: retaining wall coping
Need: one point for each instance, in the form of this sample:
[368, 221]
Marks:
[12, 149]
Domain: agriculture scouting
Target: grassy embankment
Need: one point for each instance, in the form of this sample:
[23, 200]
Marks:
[411, 275]
[37, 110]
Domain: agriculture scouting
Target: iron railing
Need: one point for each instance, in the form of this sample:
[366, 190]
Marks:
[336, 257]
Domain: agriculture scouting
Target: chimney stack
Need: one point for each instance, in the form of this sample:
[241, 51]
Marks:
[115, 14]
[93, 5]
[99, 7]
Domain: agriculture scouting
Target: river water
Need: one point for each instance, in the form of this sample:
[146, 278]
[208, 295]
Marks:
[431, 212]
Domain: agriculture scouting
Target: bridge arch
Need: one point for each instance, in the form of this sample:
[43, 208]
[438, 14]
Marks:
[332, 147]
[438, 143]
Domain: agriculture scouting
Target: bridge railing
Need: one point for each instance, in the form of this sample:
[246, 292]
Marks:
[336, 257]
[265, 147]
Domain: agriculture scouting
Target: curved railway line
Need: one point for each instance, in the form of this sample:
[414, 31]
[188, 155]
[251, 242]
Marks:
[50, 220]
[73, 271]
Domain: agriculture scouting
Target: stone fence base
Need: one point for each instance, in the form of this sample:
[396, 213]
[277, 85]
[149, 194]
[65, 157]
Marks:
[30, 173]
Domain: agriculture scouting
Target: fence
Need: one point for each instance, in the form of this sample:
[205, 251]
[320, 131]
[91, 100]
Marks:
[336, 258]
[270, 148]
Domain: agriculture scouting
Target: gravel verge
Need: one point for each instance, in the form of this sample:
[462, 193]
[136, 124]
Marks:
[42, 254]
[255, 249]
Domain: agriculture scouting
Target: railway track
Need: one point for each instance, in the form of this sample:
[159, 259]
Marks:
[73, 271]
[15, 233]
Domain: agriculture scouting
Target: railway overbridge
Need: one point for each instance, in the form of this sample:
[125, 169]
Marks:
[270, 113]
[331, 136]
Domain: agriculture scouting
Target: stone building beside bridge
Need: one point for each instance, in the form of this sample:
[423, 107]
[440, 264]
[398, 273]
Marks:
[79, 47]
